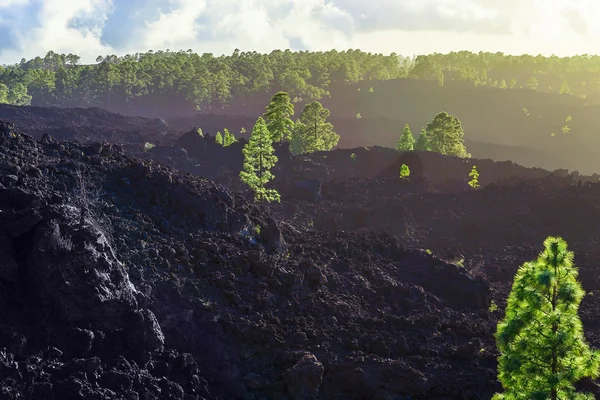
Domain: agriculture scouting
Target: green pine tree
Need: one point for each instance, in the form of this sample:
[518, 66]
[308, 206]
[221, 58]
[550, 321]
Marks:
[543, 349]
[277, 116]
[313, 131]
[503, 84]
[259, 158]
[446, 135]
[404, 171]
[422, 143]
[564, 88]
[406, 141]
[228, 138]
[219, 138]
[474, 175]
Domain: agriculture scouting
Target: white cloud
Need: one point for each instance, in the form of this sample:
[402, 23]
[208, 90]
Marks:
[12, 3]
[55, 30]
[175, 28]
[219, 26]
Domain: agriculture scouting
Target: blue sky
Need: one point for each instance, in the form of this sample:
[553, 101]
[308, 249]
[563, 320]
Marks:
[89, 28]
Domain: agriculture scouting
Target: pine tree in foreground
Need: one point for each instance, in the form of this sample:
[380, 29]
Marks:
[406, 141]
[543, 350]
[259, 158]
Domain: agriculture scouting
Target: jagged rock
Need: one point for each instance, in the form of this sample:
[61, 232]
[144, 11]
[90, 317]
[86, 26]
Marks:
[304, 379]
[309, 190]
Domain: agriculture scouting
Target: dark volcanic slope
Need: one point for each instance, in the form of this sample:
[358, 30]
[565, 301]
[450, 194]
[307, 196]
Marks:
[87, 125]
[121, 278]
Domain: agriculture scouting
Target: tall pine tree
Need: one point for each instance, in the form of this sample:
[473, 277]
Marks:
[446, 135]
[422, 143]
[314, 132]
[543, 350]
[259, 158]
[407, 141]
[278, 116]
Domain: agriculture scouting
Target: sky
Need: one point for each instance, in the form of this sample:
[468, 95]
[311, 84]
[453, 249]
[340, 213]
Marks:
[88, 28]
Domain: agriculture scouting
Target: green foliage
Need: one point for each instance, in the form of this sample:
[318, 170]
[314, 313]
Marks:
[148, 146]
[474, 175]
[532, 83]
[358, 116]
[277, 116]
[200, 133]
[193, 81]
[541, 341]
[459, 262]
[404, 171]
[503, 84]
[564, 88]
[228, 138]
[493, 306]
[219, 138]
[243, 130]
[371, 89]
[422, 143]
[202, 81]
[446, 135]
[312, 132]
[406, 141]
[259, 158]
[3, 94]
[353, 157]
[17, 95]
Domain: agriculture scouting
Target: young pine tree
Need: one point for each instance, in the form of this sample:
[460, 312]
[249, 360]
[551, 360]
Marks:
[219, 138]
[228, 138]
[277, 116]
[404, 171]
[259, 158]
[407, 141]
[474, 175]
[543, 350]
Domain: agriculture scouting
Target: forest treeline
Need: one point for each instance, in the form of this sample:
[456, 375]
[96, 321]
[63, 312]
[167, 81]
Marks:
[188, 81]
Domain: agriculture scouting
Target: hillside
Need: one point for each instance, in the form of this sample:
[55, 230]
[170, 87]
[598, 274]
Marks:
[121, 277]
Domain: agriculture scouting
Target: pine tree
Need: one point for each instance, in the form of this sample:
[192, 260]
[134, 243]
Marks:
[315, 132]
[219, 138]
[564, 88]
[422, 143]
[404, 171]
[259, 158]
[543, 350]
[277, 116]
[503, 84]
[406, 141]
[532, 83]
[228, 138]
[513, 83]
[445, 134]
[474, 175]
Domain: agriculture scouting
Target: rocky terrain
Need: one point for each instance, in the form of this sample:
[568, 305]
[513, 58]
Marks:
[130, 274]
